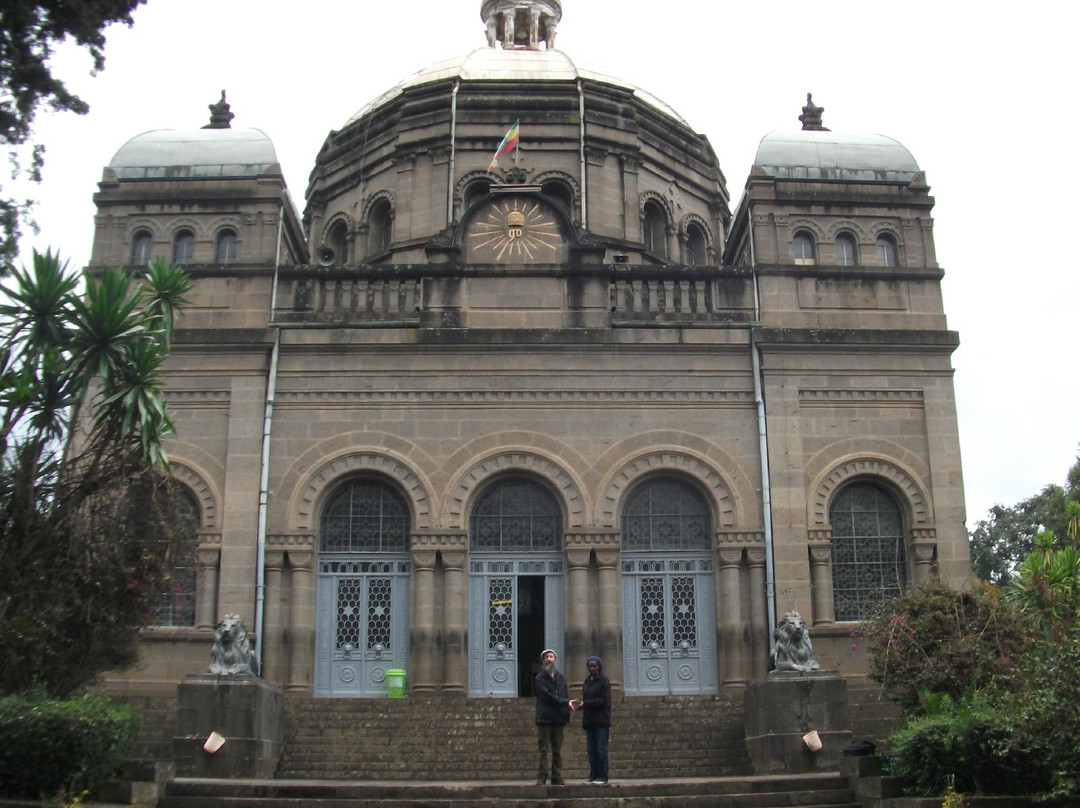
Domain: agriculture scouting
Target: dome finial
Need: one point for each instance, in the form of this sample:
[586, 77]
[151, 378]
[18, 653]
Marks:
[811, 116]
[220, 115]
[521, 24]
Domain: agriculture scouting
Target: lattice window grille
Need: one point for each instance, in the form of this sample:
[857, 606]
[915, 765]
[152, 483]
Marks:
[653, 629]
[380, 608]
[501, 613]
[175, 606]
[364, 516]
[869, 557]
[515, 516]
[683, 612]
[665, 515]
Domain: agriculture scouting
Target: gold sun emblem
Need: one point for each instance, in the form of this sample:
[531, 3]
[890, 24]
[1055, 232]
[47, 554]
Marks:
[516, 229]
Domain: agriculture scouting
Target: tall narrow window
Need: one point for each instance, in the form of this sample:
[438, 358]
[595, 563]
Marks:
[696, 246]
[654, 229]
[339, 243]
[803, 245]
[141, 247]
[175, 603]
[184, 248]
[886, 251]
[227, 246]
[381, 223]
[845, 250]
[869, 557]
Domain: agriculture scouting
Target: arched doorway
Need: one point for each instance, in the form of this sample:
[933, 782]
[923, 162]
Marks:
[362, 617]
[669, 591]
[515, 586]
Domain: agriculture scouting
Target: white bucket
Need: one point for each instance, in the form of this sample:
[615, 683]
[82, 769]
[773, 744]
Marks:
[213, 743]
[812, 740]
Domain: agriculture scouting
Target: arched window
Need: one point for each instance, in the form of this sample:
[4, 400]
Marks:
[869, 556]
[141, 246]
[562, 194]
[886, 250]
[339, 243]
[474, 191]
[845, 250]
[175, 604]
[183, 247]
[364, 516]
[697, 248]
[654, 229]
[381, 227]
[803, 245]
[666, 515]
[227, 244]
[515, 515]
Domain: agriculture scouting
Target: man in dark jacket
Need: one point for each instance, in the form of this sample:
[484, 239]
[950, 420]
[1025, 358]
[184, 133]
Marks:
[552, 716]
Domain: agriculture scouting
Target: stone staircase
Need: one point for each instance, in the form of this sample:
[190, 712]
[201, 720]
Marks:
[793, 791]
[439, 737]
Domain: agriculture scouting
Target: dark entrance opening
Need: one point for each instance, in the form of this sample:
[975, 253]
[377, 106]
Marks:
[530, 630]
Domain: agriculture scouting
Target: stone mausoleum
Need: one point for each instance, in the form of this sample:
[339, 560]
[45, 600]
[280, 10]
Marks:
[450, 416]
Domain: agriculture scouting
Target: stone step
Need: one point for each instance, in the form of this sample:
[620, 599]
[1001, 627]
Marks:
[797, 791]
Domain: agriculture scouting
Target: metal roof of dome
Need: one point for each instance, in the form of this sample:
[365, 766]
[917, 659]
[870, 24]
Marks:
[200, 153]
[492, 64]
[825, 155]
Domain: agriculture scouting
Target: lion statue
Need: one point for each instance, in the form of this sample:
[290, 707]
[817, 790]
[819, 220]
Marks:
[793, 651]
[231, 653]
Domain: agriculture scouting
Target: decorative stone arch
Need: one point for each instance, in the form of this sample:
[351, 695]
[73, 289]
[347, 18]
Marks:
[522, 461]
[463, 183]
[668, 462]
[304, 515]
[846, 226]
[332, 222]
[810, 226]
[901, 481]
[684, 233]
[152, 226]
[662, 201]
[373, 200]
[568, 181]
[890, 230]
[206, 497]
[226, 223]
[187, 223]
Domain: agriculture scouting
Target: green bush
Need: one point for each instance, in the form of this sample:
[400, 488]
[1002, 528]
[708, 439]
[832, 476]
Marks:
[67, 747]
[973, 742]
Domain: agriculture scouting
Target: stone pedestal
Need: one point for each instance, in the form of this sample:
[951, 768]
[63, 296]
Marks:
[785, 706]
[247, 711]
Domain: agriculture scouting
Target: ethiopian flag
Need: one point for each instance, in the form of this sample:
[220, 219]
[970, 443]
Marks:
[509, 143]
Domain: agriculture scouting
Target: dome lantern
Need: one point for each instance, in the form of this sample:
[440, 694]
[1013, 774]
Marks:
[521, 24]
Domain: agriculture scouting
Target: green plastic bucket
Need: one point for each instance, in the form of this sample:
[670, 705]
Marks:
[395, 683]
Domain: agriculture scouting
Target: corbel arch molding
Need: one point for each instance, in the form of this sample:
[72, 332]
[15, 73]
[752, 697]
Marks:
[467, 180]
[886, 228]
[373, 200]
[331, 223]
[667, 462]
[524, 460]
[902, 481]
[361, 461]
[846, 226]
[563, 177]
[810, 226]
[662, 201]
[220, 223]
[197, 227]
[151, 225]
[693, 218]
[197, 482]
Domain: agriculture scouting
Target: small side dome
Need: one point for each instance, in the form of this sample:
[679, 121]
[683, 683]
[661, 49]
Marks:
[823, 155]
[196, 153]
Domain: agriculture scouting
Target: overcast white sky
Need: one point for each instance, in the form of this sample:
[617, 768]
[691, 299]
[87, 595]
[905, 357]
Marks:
[977, 92]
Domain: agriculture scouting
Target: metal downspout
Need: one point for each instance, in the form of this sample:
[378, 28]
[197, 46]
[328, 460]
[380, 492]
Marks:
[763, 442]
[584, 179]
[453, 153]
[264, 470]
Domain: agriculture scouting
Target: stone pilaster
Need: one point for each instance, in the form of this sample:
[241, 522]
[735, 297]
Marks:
[422, 633]
[759, 618]
[273, 630]
[302, 622]
[730, 617]
[206, 580]
[821, 583]
[923, 553]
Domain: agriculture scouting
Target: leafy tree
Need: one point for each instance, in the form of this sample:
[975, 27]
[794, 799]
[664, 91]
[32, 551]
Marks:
[29, 32]
[87, 520]
[1007, 536]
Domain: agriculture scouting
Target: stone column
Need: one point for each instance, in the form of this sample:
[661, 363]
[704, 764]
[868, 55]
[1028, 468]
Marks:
[607, 562]
[273, 651]
[302, 622]
[455, 621]
[631, 163]
[206, 582]
[422, 633]
[730, 617]
[577, 618]
[923, 552]
[821, 582]
[760, 630]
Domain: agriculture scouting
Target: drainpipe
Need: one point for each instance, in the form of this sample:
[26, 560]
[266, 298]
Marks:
[453, 154]
[763, 441]
[584, 179]
[264, 471]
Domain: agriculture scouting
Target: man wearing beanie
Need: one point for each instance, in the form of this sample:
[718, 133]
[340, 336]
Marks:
[552, 716]
[596, 719]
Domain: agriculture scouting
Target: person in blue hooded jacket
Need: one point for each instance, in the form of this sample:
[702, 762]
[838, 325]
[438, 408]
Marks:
[595, 704]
